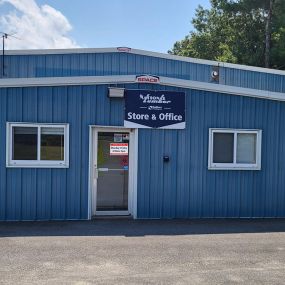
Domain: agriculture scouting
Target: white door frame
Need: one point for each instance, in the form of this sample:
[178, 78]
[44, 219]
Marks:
[133, 159]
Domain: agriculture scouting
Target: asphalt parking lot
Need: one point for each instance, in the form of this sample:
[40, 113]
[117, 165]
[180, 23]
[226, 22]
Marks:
[123, 251]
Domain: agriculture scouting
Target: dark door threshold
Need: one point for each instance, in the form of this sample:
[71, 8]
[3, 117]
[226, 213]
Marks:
[115, 217]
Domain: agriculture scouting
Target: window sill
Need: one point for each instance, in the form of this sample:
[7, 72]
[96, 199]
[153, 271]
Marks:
[37, 166]
[234, 168]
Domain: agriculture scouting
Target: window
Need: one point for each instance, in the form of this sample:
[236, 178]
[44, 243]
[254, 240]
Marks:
[234, 149]
[37, 145]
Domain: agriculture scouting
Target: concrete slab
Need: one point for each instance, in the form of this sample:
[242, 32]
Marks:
[122, 251]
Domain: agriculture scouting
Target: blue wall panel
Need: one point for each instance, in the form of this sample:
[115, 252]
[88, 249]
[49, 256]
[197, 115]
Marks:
[183, 187]
[42, 193]
[87, 64]
[252, 79]
[3, 174]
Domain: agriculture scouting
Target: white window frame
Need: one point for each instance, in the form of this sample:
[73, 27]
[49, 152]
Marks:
[36, 163]
[234, 165]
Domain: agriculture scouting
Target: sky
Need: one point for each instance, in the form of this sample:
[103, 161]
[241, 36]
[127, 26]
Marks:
[152, 25]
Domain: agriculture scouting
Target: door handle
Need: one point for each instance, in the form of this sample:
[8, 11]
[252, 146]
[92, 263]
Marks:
[103, 169]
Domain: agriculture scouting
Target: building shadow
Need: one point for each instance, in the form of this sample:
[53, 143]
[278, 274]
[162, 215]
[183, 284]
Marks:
[139, 228]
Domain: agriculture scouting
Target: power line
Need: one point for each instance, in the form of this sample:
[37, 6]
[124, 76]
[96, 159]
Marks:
[5, 36]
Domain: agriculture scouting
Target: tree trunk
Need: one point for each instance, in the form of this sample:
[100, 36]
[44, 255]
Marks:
[268, 34]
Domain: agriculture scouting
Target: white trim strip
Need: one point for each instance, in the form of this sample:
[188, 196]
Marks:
[60, 51]
[125, 79]
[66, 81]
[221, 88]
[146, 53]
[128, 124]
[177, 126]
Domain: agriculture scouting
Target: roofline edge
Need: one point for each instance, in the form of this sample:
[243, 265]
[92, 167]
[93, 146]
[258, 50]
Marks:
[130, 79]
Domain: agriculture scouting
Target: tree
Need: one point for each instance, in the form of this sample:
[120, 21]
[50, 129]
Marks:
[248, 32]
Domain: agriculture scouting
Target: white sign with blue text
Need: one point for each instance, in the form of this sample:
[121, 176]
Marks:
[154, 109]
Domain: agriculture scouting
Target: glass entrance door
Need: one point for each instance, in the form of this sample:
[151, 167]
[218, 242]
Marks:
[113, 171]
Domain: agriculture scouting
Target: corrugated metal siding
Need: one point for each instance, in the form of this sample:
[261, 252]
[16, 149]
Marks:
[101, 64]
[251, 79]
[29, 194]
[185, 188]
[182, 188]
[124, 63]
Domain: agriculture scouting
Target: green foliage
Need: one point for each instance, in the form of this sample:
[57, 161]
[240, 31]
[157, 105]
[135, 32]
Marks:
[234, 31]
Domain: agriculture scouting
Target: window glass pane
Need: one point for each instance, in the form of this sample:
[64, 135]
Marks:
[223, 148]
[52, 143]
[246, 148]
[24, 143]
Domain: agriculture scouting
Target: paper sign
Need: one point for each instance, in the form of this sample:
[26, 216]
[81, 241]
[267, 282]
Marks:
[119, 149]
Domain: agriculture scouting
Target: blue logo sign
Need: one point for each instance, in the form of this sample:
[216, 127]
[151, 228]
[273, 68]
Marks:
[154, 109]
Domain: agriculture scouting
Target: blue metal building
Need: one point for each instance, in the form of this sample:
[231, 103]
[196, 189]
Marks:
[62, 121]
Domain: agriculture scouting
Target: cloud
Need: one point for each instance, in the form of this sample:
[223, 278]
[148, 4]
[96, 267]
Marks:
[38, 27]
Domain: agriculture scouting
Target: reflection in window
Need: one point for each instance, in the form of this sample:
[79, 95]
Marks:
[25, 143]
[52, 143]
[246, 148]
[37, 145]
[223, 148]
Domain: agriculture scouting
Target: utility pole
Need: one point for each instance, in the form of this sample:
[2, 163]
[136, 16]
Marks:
[4, 36]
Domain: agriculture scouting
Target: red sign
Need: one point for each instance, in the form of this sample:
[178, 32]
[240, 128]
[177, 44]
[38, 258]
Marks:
[147, 79]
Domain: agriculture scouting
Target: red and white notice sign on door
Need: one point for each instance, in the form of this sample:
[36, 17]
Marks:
[119, 148]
